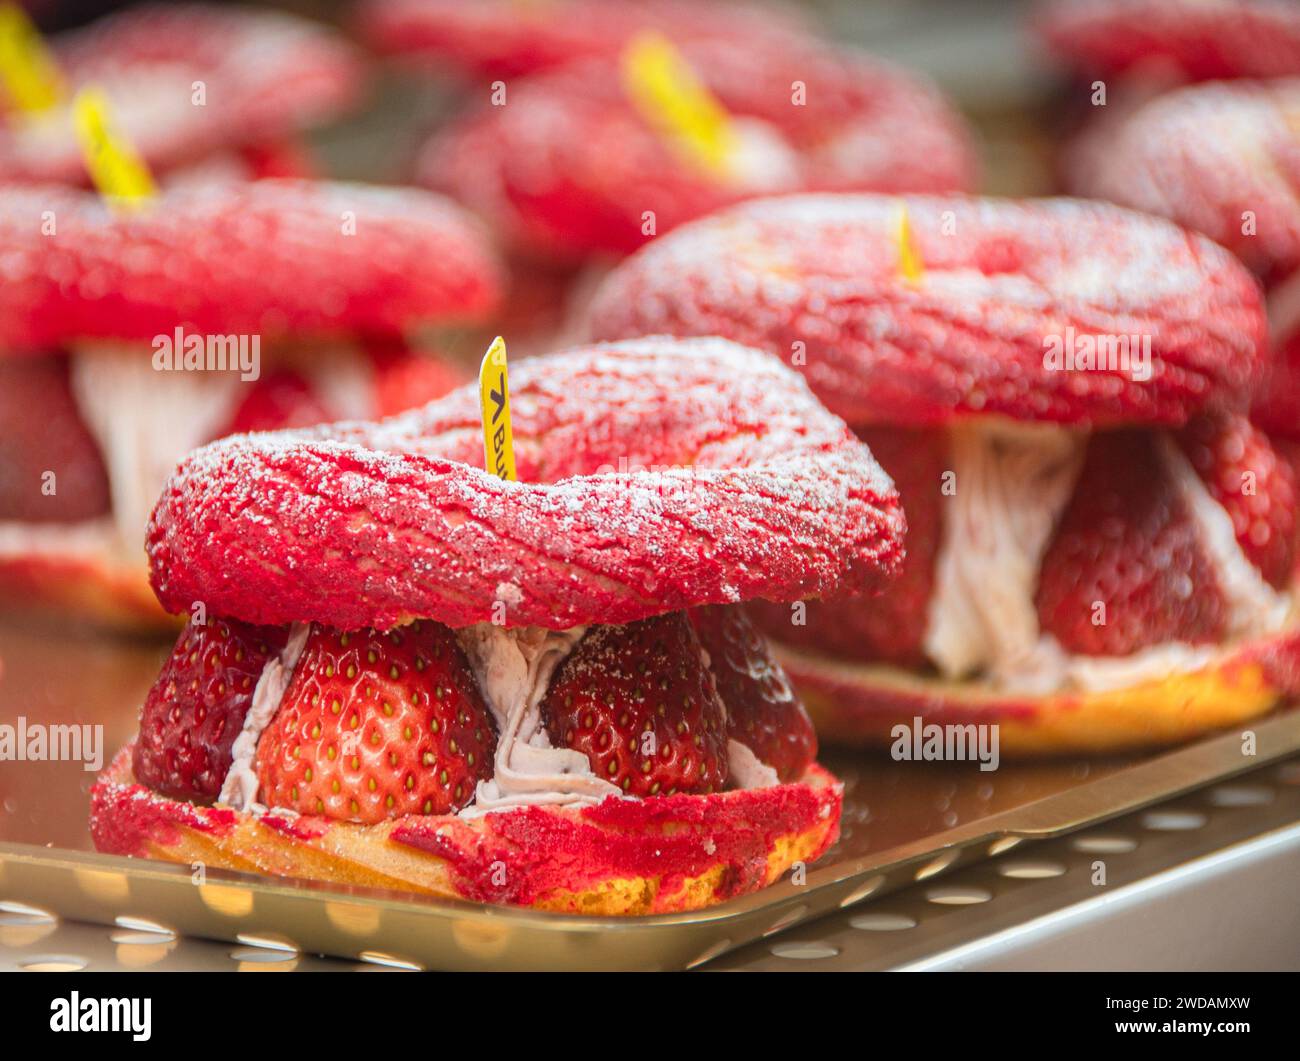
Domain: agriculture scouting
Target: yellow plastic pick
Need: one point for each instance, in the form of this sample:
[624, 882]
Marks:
[909, 261]
[28, 70]
[494, 406]
[668, 94]
[118, 171]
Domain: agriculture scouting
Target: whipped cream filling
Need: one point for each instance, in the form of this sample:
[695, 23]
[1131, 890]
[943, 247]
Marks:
[1012, 481]
[746, 769]
[514, 669]
[1012, 485]
[145, 421]
[239, 789]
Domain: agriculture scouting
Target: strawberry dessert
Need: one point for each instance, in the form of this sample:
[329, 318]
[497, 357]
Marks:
[506, 38]
[1222, 159]
[203, 92]
[1101, 549]
[1173, 40]
[133, 336]
[580, 165]
[412, 674]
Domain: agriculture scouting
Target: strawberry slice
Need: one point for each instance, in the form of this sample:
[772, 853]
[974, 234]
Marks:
[278, 400]
[889, 627]
[1126, 567]
[376, 726]
[1254, 484]
[640, 703]
[763, 712]
[42, 431]
[196, 708]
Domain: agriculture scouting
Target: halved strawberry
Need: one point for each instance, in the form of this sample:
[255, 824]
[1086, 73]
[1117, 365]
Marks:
[1246, 475]
[1126, 567]
[42, 431]
[375, 726]
[639, 702]
[196, 708]
[763, 712]
[889, 627]
[280, 399]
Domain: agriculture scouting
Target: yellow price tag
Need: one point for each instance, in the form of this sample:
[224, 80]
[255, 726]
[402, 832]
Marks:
[28, 70]
[494, 406]
[665, 90]
[909, 261]
[118, 172]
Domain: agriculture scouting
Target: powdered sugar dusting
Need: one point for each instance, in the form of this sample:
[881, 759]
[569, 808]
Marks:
[655, 475]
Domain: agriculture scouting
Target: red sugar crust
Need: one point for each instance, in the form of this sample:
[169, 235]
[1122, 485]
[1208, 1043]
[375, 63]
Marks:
[860, 703]
[266, 75]
[568, 167]
[618, 857]
[270, 258]
[656, 475]
[503, 38]
[1203, 156]
[1200, 41]
[969, 337]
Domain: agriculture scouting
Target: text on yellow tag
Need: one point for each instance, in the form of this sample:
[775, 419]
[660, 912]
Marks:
[494, 406]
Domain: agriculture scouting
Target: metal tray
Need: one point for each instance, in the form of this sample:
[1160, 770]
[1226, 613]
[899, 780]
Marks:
[903, 822]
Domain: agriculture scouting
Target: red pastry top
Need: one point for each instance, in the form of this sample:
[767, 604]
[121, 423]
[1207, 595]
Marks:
[656, 475]
[272, 258]
[264, 75]
[505, 38]
[1211, 157]
[570, 168]
[1005, 284]
[1191, 39]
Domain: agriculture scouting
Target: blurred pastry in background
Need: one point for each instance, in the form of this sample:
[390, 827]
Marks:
[1101, 546]
[220, 92]
[130, 337]
[1172, 41]
[507, 38]
[595, 159]
[1222, 159]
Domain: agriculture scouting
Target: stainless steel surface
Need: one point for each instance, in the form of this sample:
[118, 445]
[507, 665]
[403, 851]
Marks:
[903, 822]
[1204, 882]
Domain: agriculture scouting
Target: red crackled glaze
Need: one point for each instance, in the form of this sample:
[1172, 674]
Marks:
[503, 38]
[265, 75]
[288, 264]
[1197, 41]
[765, 495]
[970, 336]
[673, 838]
[569, 167]
[124, 819]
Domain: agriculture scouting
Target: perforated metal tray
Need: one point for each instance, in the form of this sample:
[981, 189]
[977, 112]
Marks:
[902, 822]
